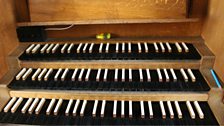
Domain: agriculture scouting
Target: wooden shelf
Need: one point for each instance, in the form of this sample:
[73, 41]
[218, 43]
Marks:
[112, 21]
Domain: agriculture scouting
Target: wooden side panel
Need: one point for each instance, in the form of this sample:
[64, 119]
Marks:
[69, 10]
[8, 37]
[213, 33]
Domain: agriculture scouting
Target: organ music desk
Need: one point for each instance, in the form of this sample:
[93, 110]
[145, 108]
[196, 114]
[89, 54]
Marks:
[154, 70]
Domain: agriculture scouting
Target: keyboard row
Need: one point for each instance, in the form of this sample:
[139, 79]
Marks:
[39, 110]
[110, 79]
[107, 51]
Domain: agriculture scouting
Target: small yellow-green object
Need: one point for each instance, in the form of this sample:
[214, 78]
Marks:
[103, 36]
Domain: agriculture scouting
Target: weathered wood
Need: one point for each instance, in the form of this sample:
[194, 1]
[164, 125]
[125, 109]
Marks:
[70, 10]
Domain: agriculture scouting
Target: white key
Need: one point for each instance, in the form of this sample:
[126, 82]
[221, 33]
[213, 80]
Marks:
[148, 75]
[178, 47]
[173, 75]
[16, 105]
[74, 74]
[140, 75]
[103, 108]
[58, 106]
[185, 47]
[49, 48]
[28, 72]
[80, 74]
[20, 74]
[84, 48]
[50, 106]
[76, 107]
[190, 109]
[42, 74]
[101, 48]
[130, 109]
[117, 47]
[33, 106]
[162, 109]
[107, 48]
[168, 47]
[142, 109]
[130, 75]
[68, 107]
[64, 74]
[43, 49]
[123, 47]
[87, 75]
[139, 47]
[150, 109]
[156, 47]
[91, 48]
[123, 75]
[36, 74]
[55, 48]
[170, 109]
[25, 107]
[198, 108]
[70, 48]
[9, 105]
[122, 109]
[28, 50]
[79, 48]
[162, 47]
[178, 109]
[184, 75]
[166, 75]
[129, 47]
[105, 75]
[116, 75]
[83, 108]
[98, 75]
[95, 108]
[48, 74]
[193, 79]
[57, 74]
[146, 47]
[40, 105]
[159, 75]
[64, 47]
[34, 50]
[115, 109]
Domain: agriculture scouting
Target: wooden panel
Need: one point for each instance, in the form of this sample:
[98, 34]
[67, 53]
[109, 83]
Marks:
[216, 104]
[8, 36]
[68, 10]
[213, 33]
[130, 30]
[93, 95]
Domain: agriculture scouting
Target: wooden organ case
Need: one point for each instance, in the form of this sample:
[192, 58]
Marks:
[154, 69]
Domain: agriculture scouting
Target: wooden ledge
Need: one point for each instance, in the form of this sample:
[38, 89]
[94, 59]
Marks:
[108, 21]
[93, 95]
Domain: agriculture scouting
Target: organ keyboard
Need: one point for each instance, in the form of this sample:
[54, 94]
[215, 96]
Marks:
[41, 111]
[110, 79]
[107, 51]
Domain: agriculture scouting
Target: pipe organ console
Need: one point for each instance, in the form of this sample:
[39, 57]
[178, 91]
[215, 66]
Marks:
[155, 69]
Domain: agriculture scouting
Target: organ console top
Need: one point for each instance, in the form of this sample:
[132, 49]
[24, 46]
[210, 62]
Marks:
[153, 69]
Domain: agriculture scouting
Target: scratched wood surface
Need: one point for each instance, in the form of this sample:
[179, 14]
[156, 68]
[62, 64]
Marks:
[69, 10]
